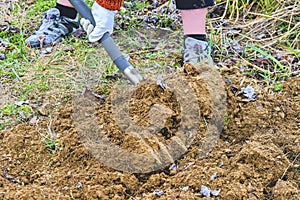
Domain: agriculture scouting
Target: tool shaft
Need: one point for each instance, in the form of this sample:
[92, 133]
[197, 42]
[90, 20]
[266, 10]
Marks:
[109, 44]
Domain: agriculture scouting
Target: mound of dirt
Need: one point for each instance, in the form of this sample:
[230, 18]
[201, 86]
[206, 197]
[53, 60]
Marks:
[256, 157]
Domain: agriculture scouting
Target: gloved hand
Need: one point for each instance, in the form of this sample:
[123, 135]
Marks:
[104, 22]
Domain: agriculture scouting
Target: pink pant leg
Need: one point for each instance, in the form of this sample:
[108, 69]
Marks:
[194, 21]
[64, 3]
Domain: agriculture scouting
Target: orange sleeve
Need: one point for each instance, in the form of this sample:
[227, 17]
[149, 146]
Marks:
[110, 4]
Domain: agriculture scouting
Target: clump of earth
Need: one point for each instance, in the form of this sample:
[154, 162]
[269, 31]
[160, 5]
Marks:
[255, 157]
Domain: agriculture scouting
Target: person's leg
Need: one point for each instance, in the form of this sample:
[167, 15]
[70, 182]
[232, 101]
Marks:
[193, 13]
[66, 9]
[64, 3]
[194, 23]
[57, 22]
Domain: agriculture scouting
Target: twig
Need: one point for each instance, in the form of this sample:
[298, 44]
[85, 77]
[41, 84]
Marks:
[166, 4]
[285, 171]
[151, 49]
[255, 66]
[272, 17]
[49, 128]
[8, 177]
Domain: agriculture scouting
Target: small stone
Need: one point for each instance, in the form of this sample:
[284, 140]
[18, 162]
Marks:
[2, 56]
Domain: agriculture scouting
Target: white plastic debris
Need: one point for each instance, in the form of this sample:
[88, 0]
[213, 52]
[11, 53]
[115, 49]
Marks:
[158, 192]
[213, 176]
[206, 192]
[221, 163]
[173, 167]
[46, 51]
[188, 165]
[184, 188]
[79, 185]
[20, 103]
[160, 82]
[215, 192]
[248, 92]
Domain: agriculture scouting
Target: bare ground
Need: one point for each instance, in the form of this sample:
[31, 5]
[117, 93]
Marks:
[256, 157]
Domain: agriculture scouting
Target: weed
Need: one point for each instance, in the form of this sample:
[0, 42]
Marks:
[289, 47]
[278, 87]
[277, 73]
[128, 19]
[39, 7]
[234, 9]
[266, 54]
[51, 139]
[10, 109]
[227, 120]
[51, 144]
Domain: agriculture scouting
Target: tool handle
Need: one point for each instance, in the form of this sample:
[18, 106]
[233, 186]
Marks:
[109, 44]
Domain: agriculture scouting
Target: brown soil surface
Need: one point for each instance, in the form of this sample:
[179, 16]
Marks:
[256, 156]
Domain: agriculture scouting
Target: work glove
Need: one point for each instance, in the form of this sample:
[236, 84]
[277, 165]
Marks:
[104, 23]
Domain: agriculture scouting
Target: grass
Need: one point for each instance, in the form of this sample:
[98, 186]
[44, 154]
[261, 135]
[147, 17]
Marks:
[13, 109]
[10, 111]
[234, 9]
[51, 141]
[269, 36]
[227, 120]
[40, 6]
[130, 20]
[51, 138]
[278, 71]
[278, 87]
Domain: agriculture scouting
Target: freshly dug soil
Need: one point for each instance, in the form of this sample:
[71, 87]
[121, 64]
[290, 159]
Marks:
[256, 156]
